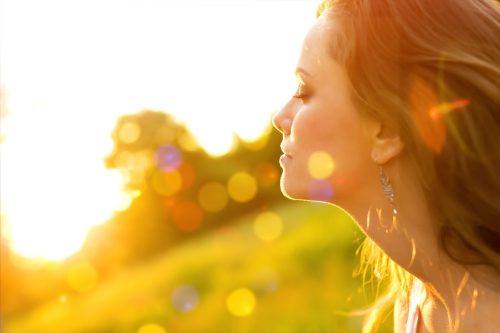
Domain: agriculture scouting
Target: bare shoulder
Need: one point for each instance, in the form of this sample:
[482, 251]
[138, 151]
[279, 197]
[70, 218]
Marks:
[478, 314]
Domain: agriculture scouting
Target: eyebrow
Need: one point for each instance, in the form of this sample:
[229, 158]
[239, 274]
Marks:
[300, 73]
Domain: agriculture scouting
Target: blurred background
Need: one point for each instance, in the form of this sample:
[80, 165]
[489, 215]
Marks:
[139, 173]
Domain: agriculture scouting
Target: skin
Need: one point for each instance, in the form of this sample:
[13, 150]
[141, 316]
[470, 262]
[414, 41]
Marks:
[322, 117]
[317, 120]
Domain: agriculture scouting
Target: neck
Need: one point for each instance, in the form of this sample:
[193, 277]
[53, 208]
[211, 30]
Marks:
[457, 299]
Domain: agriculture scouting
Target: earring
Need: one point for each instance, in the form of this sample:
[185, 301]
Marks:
[388, 191]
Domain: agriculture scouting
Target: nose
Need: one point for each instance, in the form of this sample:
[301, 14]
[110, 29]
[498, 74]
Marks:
[282, 120]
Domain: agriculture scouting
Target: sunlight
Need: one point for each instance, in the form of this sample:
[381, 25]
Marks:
[268, 226]
[185, 298]
[52, 203]
[215, 140]
[320, 165]
[151, 328]
[63, 90]
[241, 302]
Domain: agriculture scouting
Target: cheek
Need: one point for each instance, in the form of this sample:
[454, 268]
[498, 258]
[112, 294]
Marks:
[338, 136]
[321, 130]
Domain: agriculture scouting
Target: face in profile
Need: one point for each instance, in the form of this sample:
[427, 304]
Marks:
[326, 152]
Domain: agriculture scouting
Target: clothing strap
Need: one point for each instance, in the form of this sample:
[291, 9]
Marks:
[414, 315]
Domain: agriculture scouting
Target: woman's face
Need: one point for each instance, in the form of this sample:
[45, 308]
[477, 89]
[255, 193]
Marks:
[326, 152]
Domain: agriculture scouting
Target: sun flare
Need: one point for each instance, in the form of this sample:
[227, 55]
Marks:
[64, 89]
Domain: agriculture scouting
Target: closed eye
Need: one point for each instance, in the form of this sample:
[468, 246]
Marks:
[300, 92]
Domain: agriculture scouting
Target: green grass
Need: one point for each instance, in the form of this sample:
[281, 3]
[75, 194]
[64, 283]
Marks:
[302, 282]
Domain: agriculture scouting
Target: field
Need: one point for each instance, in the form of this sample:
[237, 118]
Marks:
[228, 280]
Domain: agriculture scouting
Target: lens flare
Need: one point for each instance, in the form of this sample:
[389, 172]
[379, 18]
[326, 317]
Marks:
[320, 165]
[267, 174]
[213, 197]
[168, 158]
[144, 159]
[63, 299]
[426, 117]
[134, 165]
[65, 180]
[188, 175]
[242, 187]
[241, 302]
[268, 226]
[166, 183]
[129, 132]
[151, 328]
[321, 190]
[187, 215]
[265, 281]
[445, 108]
[185, 298]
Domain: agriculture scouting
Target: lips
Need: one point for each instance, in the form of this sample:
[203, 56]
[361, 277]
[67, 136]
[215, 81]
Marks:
[285, 149]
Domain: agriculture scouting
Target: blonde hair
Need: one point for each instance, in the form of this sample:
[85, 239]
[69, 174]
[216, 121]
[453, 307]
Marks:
[430, 70]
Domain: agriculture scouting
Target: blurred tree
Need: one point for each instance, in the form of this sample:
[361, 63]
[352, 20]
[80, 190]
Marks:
[183, 190]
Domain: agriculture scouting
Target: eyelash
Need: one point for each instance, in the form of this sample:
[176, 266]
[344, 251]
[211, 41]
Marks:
[299, 94]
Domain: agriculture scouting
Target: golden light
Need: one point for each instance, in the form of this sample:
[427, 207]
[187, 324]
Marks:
[152, 328]
[267, 174]
[215, 145]
[258, 142]
[63, 99]
[82, 277]
[320, 165]
[213, 197]
[426, 117]
[125, 159]
[444, 108]
[242, 187]
[268, 226]
[188, 175]
[124, 200]
[241, 302]
[166, 183]
[144, 158]
[187, 142]
[129, 132]
[185, 298]
[187, 215]
[135, 161]
[43, 219]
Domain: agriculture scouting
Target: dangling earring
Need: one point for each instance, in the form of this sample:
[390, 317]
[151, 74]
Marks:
[388, 191]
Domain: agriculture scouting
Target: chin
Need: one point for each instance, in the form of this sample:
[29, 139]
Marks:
[308, 189]
[292, 190]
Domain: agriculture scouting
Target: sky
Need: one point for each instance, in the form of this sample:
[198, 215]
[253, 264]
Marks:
[70, 68]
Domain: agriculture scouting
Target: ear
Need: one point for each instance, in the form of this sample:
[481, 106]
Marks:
[386, 143]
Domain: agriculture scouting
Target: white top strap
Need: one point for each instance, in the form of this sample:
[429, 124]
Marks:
[414, 315]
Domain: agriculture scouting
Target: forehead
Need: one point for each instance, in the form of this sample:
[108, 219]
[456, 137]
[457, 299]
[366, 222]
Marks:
[315, 54]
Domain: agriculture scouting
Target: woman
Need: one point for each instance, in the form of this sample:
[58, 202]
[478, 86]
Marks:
[396, 119]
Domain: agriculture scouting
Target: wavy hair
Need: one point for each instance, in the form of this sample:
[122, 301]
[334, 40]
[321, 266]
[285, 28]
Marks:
[431, 71]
